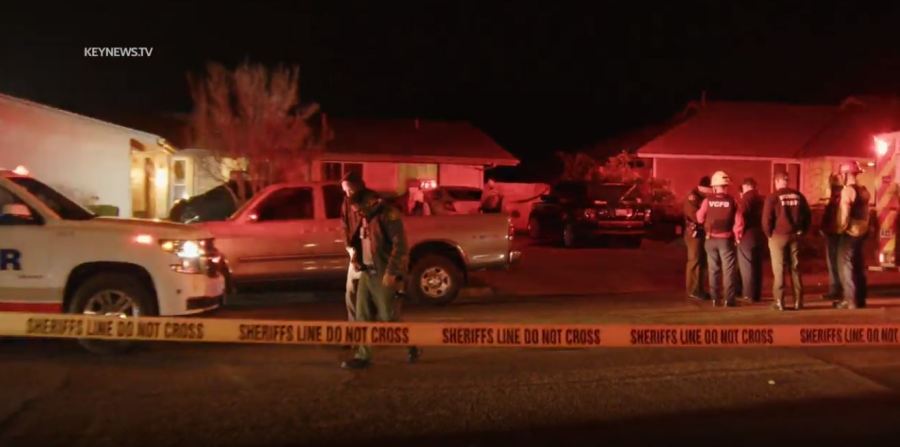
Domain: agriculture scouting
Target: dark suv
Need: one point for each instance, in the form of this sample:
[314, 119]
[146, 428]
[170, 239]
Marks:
[573, 212]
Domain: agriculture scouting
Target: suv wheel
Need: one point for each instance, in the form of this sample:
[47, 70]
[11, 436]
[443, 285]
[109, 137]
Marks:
[570, 236]
[113, 295]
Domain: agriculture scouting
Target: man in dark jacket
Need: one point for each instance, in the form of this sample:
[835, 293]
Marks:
[786, 218]
[751, 246]
[381, 254]
[828, 228]
[351, 183]
[853, 227]
[695, 269]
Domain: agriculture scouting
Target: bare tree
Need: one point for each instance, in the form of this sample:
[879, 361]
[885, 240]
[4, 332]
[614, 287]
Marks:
[253, 114]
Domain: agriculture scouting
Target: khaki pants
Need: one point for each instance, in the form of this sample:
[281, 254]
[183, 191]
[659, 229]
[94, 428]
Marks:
[374, 302]
[350, 292]
[785, 249]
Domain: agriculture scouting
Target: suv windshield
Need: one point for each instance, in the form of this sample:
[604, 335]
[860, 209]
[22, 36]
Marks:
[62, 205]
[610, 192]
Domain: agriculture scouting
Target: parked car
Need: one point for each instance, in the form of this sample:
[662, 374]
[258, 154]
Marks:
[292, 231]
[216, 204]
[574, 212]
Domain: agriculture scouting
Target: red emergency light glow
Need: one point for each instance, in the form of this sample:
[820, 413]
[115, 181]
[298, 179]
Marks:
[881, 147]
[145, 239]
[21, 170]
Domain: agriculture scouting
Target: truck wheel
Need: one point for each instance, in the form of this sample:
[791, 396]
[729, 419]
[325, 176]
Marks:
[111, 294]
[570, 236]
[436, 280]
[534, 229]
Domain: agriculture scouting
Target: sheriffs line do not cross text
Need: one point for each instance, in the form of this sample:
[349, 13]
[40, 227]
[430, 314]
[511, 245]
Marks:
[702, 337]
[300, 333]
[74, 327]
[521, 336]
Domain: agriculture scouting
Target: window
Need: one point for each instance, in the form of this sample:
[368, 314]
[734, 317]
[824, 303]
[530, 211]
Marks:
[287, 204]
[334, 170]
[793, 171]
[179, 179]
[60, 204]
[334, 201]
[7, 198]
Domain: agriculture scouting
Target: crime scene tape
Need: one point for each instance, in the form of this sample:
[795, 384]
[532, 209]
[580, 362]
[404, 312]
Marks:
[226, 330]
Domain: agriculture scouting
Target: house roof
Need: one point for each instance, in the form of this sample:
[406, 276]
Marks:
[744, 129]
[410, 140]
[851, 133]
[27, 103]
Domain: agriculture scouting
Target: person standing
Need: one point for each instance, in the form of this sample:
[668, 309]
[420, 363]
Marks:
[723, 221]
[852, 226]
[786, 218]
[694, 236]
[751, 246]
[828, 229]
[491, 198]
[381, 254]
[351, 183]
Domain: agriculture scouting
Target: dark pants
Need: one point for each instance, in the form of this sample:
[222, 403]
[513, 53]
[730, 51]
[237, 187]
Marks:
[721, 259]
[832, 242]
[695, 269]
[785, 249]
[750, 253]
[852, 270]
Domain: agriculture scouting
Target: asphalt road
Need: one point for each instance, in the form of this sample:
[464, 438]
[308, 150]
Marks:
[190, 394]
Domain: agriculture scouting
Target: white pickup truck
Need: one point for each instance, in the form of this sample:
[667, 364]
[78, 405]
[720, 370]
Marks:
[55, 256]
[292, 231]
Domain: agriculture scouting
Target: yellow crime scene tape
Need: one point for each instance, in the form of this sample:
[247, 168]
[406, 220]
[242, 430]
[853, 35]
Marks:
[224, 330]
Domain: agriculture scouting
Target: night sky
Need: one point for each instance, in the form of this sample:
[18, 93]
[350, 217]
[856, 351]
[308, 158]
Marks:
[537, 76]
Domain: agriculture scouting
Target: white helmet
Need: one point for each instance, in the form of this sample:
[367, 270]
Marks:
[720, 178]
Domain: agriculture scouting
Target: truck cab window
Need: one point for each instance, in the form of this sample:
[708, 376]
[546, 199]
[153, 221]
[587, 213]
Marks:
[287, 204]
[334, 200]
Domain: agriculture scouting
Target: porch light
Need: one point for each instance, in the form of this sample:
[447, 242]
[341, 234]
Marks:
[881, 147]
[21, 170]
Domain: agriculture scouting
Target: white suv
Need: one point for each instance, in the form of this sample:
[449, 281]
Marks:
[55, 256]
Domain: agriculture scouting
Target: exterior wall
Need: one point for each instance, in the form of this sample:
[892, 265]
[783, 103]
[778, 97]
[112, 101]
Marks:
[461, 175]
[85, 159]
[683, 174]
[382, 176]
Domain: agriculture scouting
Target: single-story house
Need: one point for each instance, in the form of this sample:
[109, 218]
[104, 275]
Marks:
[92, 161]
[388, 153]
[753, 139]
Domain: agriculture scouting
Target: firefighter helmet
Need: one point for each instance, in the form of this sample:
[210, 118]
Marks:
[850, 167]
[720, 178]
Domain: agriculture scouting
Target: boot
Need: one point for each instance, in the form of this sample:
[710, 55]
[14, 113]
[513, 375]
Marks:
[844, 304]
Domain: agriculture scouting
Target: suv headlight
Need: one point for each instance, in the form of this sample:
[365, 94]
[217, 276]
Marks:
[195, 256]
